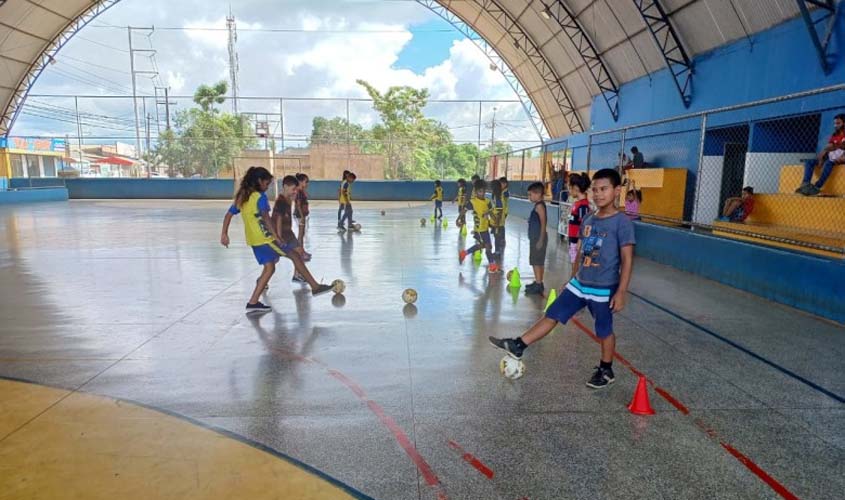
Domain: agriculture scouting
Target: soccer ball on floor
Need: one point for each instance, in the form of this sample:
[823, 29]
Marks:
[338, 286]
[422, 222]
[511, 368]
[356, 227]
[409, 295]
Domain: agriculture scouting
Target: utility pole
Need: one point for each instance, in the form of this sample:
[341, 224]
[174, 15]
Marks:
[78, 130]
[132, 51]
[232, 28]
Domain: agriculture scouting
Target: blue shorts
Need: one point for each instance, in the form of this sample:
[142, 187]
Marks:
[269, 253]
[576, 297]
[438, 203]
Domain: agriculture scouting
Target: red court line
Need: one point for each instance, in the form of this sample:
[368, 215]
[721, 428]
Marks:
[425, 470]
[470, 459]
[402, 438]
[773, 483]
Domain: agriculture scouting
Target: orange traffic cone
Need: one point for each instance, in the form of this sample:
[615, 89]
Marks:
[640, 404]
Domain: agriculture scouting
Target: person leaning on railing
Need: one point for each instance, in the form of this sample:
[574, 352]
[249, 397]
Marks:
[835, 154]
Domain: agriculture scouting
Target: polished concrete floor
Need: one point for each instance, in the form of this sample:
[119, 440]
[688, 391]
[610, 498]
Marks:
[137, 302]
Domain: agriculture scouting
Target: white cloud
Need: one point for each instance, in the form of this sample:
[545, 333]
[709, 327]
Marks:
[175, 81]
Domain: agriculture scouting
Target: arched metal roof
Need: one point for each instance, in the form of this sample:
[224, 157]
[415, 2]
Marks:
[563, 52]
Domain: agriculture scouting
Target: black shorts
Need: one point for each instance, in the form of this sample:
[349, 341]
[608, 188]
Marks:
[537, 257]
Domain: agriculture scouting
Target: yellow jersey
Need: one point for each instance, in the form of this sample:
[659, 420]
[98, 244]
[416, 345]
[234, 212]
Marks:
[345, 193]
[482, 210]
[256, 231]
[461, 196]
[438, 193]
[506, 198]
[498, 215]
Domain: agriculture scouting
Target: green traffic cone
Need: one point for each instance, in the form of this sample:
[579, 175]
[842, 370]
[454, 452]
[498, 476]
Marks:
[432, 218]
[445, 223]
[464, 230]
[476, 256]
[514, 279]
[551, 299]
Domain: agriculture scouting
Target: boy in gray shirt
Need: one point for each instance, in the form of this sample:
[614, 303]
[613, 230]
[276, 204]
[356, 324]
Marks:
[600, 278]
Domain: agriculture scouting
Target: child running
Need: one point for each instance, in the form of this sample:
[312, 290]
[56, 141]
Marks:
[438, 200]
[599, 283]
[461, 200]
[346, 202]
[283, 222]
[341, 205]
[482, 212]
[578, 186]
[537, 238]
[251, 202]
[301, 211]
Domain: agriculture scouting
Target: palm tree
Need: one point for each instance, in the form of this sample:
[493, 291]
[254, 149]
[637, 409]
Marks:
[206, 97]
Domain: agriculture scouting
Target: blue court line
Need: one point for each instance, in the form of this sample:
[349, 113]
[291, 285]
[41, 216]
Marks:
[751, 353]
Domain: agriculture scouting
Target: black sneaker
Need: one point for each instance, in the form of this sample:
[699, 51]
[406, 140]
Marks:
[601, 378]
[535, 289]
[802, 187]
[297, 278]
[507, 345]
[258, 307]
[321, 289]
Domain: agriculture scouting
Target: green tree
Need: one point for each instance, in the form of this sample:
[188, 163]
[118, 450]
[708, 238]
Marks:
[405, 135]
[207, 96]
[338, 131]
[203, 140]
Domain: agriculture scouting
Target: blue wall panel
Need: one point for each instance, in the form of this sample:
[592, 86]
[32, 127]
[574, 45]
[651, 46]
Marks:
[33, 195]
[782, 276]
[147, 189]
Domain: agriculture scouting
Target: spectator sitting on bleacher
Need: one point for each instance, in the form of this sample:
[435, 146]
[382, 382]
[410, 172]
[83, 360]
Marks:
[637, 160]
[738, 209]
[835, 153]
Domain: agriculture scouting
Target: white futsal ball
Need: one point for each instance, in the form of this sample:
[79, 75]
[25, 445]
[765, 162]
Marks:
[338, 286]
[409, 296]
[511, 368]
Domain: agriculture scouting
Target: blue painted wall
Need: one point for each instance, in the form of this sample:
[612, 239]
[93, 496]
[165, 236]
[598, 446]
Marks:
[33, 196]
[782, 276]
[778, 61]
[223, 189]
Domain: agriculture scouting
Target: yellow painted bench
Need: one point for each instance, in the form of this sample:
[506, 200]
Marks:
[799, 212]
[663, 189]
[792, 175]
[827, 238]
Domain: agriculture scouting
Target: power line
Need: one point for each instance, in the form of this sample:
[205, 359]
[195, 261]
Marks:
[101, 44]
[290, 30]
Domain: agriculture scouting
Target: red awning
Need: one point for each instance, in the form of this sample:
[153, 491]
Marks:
[114, 160]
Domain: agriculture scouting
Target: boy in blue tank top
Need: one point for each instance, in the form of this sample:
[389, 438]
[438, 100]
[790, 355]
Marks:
[600, 278]
[537, 238]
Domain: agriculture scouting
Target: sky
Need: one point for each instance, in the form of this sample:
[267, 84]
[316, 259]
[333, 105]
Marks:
[317, 50]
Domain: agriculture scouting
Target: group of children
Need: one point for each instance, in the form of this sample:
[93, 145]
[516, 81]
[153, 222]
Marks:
[489, 215]
[601, 251]
[271, 235]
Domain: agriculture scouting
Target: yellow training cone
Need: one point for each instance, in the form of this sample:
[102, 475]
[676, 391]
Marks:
[552, 298]
[513, 278]
[445, 223]
[464, 230]
[476, 256]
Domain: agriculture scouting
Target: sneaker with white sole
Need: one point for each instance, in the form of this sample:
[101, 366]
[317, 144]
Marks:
[257, 308]
[601, 378]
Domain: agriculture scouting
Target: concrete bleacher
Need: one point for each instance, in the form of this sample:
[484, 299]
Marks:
[785, 215]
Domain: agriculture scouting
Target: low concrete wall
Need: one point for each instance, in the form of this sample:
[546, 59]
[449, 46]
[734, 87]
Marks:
[33, 195]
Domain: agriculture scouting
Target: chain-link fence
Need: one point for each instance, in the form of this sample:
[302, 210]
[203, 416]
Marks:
[180, 136]
[770, 172]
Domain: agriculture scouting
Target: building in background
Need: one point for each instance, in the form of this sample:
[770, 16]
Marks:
[31, 157]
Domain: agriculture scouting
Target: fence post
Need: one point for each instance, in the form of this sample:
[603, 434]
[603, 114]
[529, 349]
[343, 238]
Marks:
[699, 171]
[589, 152]
[622, 151]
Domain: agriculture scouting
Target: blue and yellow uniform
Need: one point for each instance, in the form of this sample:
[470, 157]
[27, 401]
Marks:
[482, 211]
[258, 235]
[344, 213]
[506, 198]
[438, 194]
[462, 196]
[345, 193]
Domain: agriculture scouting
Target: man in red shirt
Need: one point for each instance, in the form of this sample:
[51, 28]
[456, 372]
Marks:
[833, 154]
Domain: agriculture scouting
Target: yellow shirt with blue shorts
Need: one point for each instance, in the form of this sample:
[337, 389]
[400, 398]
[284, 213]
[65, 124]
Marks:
[258, 235]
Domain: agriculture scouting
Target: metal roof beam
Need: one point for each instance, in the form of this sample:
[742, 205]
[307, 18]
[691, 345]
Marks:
[670, 46]
[495, 60]
[600, 72]
[523, 42]
[820, 42]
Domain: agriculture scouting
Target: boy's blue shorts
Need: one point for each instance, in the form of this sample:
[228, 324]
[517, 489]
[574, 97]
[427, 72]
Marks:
[269, 253]
[438, 203]
[576, 297]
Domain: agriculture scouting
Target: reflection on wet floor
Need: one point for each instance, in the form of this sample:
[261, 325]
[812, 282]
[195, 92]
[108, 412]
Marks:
[137, 300]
